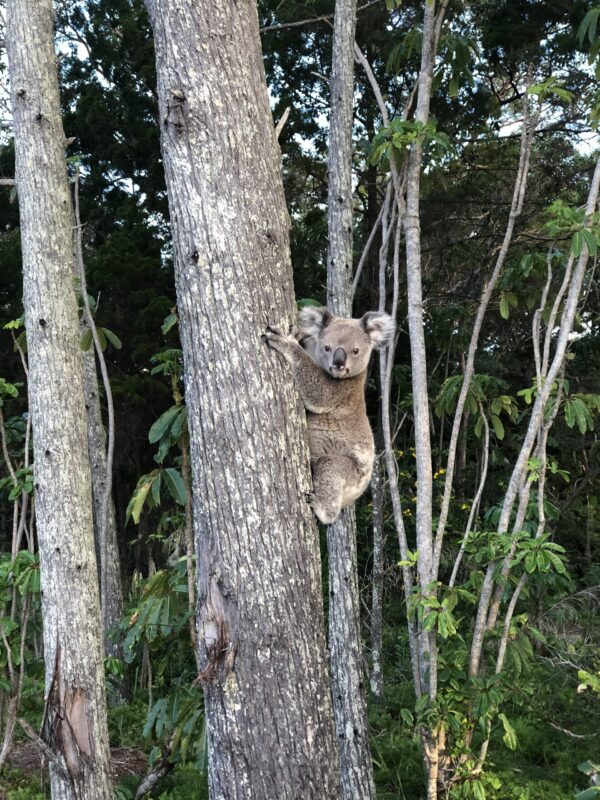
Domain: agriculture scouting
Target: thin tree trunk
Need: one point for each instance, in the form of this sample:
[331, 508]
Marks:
[345, 642]
[260, 627]
[112, 607]
[377, 494]
[75, 715]
[190, 548]
[427, 644]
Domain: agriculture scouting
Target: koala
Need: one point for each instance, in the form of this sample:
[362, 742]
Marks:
[329, 359]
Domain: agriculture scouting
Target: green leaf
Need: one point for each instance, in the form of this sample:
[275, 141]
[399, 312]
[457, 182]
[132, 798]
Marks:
[580, 414]
[569, 413]
[175, 485]
[112, 338]
[479, 427]
[497, 426]
[591, 242]
[507, 300]
[577, 244]
[593, 793]
[101, 339]
[407, 716]
[510, 737]
[168, 323]
[156, 485]
[162, 424]
[588, 768]
[86, 340]
[138, 500]
[588, 25]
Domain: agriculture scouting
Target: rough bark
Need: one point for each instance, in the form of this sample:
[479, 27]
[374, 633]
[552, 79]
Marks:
[345, 643]
[340, 198]
[75, 715]
[261, 631]
[377, 494]
[112, 608]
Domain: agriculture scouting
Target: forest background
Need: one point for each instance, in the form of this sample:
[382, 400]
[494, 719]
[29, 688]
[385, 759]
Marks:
[541, 715]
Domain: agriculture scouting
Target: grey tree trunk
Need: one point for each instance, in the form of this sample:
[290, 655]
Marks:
[112, 608]
[75, 715]
[340, 196]
[261, 628]
[377, 494]
[345, 642]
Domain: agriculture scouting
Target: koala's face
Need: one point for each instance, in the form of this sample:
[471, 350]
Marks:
[342, 347]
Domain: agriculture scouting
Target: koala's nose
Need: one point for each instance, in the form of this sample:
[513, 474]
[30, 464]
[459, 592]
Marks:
[339, 357]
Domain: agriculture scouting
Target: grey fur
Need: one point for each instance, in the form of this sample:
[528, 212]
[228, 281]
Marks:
[340, 437]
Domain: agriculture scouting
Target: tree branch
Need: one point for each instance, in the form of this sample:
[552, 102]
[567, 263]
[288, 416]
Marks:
[280, 26]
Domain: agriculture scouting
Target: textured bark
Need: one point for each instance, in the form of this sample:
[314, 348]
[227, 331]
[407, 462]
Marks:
[112, 608]
[341, 117]
[261, 631]
[75, 716]
[377, 494]
[347, 663]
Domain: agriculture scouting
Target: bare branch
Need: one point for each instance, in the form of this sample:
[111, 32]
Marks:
[282, 121]
[323, 18]
[367, 247]
[50, 756]
[474, 507]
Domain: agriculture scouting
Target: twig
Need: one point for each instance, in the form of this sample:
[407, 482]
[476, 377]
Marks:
[572, 735]
[280, 26]
[282, 121]
[367, 246]
[54, 759]
[474, 507]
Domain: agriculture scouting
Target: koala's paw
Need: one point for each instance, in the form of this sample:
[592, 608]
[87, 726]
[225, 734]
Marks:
[324, 513]
[276, 340]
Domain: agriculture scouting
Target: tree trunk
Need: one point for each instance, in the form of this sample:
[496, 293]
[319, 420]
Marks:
[112, 609]
[75, 715]
[260, 626]
[377, 494]
[340, 200]
[345, 644]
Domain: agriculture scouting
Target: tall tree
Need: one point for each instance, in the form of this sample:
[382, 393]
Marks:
[75, 728]
[261, 635]
[347, 667]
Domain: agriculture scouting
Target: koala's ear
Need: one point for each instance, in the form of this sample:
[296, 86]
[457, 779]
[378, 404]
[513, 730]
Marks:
[379, 327]
[312, 320]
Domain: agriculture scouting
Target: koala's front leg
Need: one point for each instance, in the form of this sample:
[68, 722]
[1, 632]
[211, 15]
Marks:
[281, 342]
[316, 388]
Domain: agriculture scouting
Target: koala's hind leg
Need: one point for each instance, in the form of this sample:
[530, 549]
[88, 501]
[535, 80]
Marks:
[330, 476]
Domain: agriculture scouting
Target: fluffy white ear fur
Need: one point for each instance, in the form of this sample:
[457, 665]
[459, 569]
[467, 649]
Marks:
[379, 326]
[312, 320]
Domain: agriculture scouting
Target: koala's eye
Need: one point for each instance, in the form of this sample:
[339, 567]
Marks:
[327, 348]
[356, 351]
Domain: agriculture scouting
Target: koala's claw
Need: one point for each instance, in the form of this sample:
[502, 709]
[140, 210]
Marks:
[273, 330]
